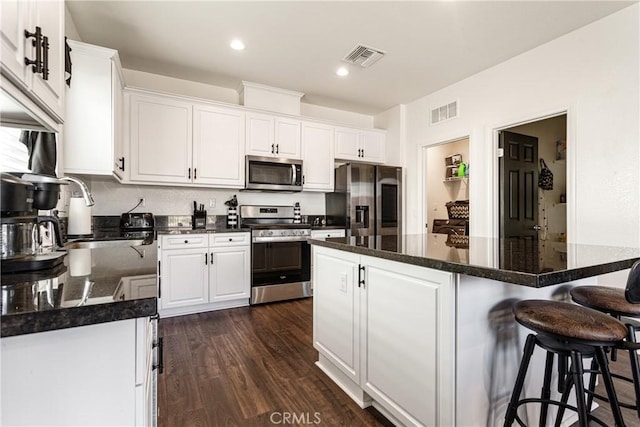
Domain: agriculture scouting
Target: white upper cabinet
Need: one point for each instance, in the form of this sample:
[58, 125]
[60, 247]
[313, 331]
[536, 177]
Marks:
[218, 146]
[317, 157]
[180, 142]
[360, 145]
[160, 137]
[271, 136]
[43, 82]
[93, 139]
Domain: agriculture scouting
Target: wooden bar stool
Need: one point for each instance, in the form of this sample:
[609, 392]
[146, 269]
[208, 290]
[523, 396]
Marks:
[619, 303]
[572, 331]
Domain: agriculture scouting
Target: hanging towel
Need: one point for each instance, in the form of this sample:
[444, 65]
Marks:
[42, 151]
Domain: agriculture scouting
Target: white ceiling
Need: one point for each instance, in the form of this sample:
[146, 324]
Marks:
[298, 45]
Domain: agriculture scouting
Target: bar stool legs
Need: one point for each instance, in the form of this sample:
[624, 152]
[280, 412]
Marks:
[512, 410]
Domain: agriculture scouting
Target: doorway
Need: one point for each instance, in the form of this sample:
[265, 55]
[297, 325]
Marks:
[446, 184]
[534, 218]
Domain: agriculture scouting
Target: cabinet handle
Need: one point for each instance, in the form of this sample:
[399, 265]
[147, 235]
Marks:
[195, 173]
[277, 148]
[360, 275]
[231, 239]
[211, 258]
[303, 179]
[121, 160]
[363, 152]
[45, 59]
[189, 173]
[205, 258]
[160, 346]
[272, 148]
[37, 43]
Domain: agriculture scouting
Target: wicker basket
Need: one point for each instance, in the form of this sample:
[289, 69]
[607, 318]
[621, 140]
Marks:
[456, 241]
[458, 209]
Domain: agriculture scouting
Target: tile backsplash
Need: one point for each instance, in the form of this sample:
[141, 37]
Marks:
[113, 198]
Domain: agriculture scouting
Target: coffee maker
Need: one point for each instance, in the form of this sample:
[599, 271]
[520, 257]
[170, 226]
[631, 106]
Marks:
[23, 195]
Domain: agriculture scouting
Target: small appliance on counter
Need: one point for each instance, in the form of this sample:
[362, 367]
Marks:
[137, 225]
[23, 194]
[199, 218]
[232, 212]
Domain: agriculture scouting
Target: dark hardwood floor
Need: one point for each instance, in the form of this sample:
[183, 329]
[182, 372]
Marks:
[250, 366]
[624, 391]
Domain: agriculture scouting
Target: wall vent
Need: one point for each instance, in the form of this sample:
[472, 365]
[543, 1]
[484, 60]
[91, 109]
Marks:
[364, 56]
[444, 112]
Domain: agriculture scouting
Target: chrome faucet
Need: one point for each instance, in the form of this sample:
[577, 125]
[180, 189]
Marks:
[86, 194]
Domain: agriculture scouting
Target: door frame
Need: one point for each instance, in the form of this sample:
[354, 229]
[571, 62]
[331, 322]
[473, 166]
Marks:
[570, 112]
[424, 174]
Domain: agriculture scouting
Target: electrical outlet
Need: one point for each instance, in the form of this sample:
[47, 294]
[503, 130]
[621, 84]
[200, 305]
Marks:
[212, 203]
[143, 202]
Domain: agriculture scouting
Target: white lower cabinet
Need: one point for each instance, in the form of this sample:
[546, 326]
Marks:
[202, 272]
[385, 333]
[93, 375]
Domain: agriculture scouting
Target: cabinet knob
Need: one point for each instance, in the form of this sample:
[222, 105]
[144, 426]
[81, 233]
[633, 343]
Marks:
[186, 241]
[230, 239]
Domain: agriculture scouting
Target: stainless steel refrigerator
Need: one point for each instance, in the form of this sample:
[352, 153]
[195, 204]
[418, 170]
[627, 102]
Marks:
[367, 202]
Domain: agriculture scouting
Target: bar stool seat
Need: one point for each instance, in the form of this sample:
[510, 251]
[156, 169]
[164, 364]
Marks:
[606, 299]
[569, 331]
[618, 303]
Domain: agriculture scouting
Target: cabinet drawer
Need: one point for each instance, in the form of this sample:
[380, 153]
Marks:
[321, 234]
[183, 241]
[229, 239]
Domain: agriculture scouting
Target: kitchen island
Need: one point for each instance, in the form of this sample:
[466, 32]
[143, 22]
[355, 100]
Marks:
[79, 340]
[426, 334]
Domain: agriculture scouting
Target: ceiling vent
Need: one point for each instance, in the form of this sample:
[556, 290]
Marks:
[444, 112]
[364, 56]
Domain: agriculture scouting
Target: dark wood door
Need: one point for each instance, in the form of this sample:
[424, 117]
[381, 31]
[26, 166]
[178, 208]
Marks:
[518, 186]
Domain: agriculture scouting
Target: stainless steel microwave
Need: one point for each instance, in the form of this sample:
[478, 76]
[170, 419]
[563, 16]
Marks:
[273, 174]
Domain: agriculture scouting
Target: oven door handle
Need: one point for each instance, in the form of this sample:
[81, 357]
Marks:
[295, 174]
[279, 239]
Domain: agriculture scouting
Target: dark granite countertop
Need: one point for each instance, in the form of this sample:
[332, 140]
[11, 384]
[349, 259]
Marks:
[91, 286]
[529, 263]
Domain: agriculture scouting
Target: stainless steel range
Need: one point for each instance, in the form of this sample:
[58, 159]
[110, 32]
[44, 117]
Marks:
[280, 253]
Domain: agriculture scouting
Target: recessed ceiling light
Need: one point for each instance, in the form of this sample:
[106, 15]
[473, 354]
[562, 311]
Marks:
[342, 71]
[237, 44]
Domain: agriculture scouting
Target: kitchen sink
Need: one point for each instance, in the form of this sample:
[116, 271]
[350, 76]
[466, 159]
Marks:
[101, 244]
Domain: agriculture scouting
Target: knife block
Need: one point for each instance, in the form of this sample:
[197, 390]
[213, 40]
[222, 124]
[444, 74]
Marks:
[199, 220]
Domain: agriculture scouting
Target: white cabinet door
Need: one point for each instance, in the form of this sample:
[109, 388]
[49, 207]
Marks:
[229, 273]
[271, 136]
[408, 322]
[360, 145]
[260, 134]
[18, 17]
[218, 146]
[161, 130]
[13, 16]
[92, 109]
[372, 144]
[317, 157]
[336, 309]
[287, 138]
[49, 15]
[88, 379]
[347, 144]
[120, 158]
[184, 278]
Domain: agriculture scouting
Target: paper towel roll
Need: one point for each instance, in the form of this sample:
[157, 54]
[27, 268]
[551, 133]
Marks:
[79, 262]
[79, 217]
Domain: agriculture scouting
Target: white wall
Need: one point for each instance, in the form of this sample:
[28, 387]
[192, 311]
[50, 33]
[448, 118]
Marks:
[593, 72]
[393, 121]
[70, 29]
